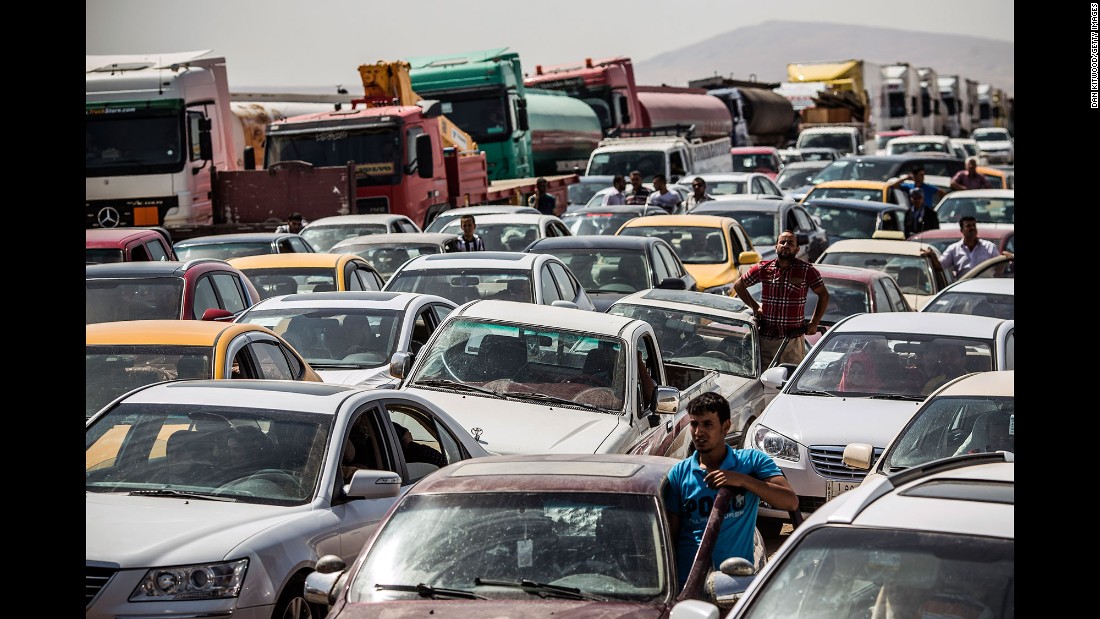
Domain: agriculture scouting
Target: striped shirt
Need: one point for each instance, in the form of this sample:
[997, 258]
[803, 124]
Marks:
[475, 244]
[783, 294]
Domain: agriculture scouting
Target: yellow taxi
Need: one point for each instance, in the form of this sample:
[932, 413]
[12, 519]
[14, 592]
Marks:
[120, 356]
[714, 249]
[871, 191]
[299, 273]
[999, 178]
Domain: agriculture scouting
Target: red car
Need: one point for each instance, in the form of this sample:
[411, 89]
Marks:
[1004, 239]
[764, 159]
[127, 245]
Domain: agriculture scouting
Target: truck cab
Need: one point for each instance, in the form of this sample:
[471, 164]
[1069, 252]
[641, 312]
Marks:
[846, 139]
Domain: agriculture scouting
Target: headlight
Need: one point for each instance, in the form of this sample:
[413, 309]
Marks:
[775, 444]
[724, 289]
[191, 582]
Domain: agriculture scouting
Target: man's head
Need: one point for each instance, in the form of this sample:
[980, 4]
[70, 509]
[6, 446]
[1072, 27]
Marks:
[916, 197]
[968, 225]
[541, 184]
[619, 182]
[636, 179]
[972, 164]
[659, 182]
[467, 223]
[952, 356]
[918, 175]
[698, 186]
[786, 246]
[709, 420]
[294, 222]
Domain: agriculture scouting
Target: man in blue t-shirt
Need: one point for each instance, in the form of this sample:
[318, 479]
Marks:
[694, 482]
[915, 179]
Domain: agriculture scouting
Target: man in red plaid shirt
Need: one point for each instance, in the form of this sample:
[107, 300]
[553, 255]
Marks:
[784, 285]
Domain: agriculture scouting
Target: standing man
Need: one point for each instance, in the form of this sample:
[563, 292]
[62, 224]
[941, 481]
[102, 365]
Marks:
[694, 481]
[468, 241]
[907, 182]
[639, 193]
[619, 195]
[920, 217]
[293, 223]
[546, 203]
[969, 178]
[698, 193]
[968, 252]
[784, 285]
[661, 195]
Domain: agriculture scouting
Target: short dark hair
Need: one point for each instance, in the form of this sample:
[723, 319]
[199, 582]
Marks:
[966, 218]
[295, 216]
[659, 176]
[918, 168]
[710, 401]
[465, 217]
[618, 177]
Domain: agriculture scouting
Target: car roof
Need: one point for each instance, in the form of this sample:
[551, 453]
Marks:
[980, 193]
[698, 221]
[861, 184]
[347, 299]
[725, 176]
[986, 232]
[753, 150]
[234, 238]
[299, 259]
[166, 332]
[764, 205]
[688, 301]
[925, 323]
[609, 241]
[497, 218]
[860, 274]
[151, 268]
[610, 473]
[984, 285]
[544, 315]
[118, 235]
[504, 260]
[817, 163]
[992, 383]
[589, 211]
[364, 218]
[876, 246]
[906, 139]
[869, 205]
[303, 396]
[396, 239]
[482, 209]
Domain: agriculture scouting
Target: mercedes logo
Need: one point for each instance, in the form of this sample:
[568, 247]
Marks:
[108, 217]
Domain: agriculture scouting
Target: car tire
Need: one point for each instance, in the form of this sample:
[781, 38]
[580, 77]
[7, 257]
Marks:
[292, 603]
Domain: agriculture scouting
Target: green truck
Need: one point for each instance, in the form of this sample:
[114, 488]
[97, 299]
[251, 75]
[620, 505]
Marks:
[522, 135]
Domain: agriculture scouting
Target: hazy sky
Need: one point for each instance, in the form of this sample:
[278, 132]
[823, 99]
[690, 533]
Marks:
[321, 42]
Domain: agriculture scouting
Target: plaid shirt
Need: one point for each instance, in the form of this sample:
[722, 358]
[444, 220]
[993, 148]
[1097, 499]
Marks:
[783, 294]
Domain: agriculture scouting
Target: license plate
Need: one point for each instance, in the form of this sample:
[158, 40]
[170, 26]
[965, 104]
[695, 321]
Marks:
[836, 488]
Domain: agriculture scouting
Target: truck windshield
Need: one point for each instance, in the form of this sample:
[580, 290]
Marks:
[482, 115]
[839, 141]
[132, 141]
[624, 162]
[376, 150]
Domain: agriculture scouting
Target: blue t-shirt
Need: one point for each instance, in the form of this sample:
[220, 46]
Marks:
[930, 192]
[689, 498]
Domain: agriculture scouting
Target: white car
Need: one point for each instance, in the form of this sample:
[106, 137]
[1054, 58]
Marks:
[974, 413]
[982, 296]
[450, 215]
[921, 144]
[995, 145]
[511, 231]
[217, 498]
[936, 540]
[860, 383]
[968, 146]
[511, 276]
[355, 333]
[991, 208]
[323, 233]
[720, 184]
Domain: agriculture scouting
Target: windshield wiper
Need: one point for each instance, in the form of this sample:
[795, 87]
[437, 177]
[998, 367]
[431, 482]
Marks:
[338, 366]
[896, 396]
[813, 392]
[532, 395]
[428, 591]
[454, 384]
[541, 589]
[183, 494]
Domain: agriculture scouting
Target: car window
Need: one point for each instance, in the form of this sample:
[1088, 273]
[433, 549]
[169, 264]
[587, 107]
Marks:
[231, 291]
[669, 262]
[271, 359]
[156, 251]
[205, 298]
[139, 254]
[430, 445]
[803, 219]
[740, 241]
[770, 187]
[566, 284]
[550, 292]
[895, 299]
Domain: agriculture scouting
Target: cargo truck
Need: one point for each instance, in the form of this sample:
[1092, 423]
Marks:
[846, 95]
[957, 105]
[564, 132]
[760, 116]
[932, 117]
[899, 104]
[608, 86]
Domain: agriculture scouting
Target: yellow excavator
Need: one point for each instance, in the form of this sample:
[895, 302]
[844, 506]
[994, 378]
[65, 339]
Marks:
[388, 83]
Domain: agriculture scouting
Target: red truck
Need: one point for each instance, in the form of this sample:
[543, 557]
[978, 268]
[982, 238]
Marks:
[608, 87]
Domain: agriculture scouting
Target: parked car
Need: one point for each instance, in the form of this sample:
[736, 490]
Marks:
[883, 137]
[860, 383]
[713, 249]
[978, 297]
[762, 159]
[277, 274]
[388, 251]
[995, 145]
[710, 332]
[748, 184]
[856, 219]
[933, 541]
[921, 144]
[127, 245]
[196, 289]
[797, 175]
[517, 536]
[453, 214]
[325, 232]
[609, 267]
[120, 356]
[512, 231]
[942, 238]
[226, 246]
[763, 220]
[512, 276]
[871, 191]
[974, 413]
[349, 337]
[993, 208]
[999, 177]
[920, 276]
[606, 219]
[218, 498]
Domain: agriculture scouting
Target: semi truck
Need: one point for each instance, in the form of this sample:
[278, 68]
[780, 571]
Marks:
[564, 132]
[932, 117]
[761, 117]
[992, 106]
[845, 94]
[955, 92]
[899, 103]
[608, 86]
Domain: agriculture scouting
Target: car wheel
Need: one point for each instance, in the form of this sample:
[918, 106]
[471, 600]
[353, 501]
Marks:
[293, 605]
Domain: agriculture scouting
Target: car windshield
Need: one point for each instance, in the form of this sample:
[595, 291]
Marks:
[527, 361]
[954, 425]
[600, 544]
[975, 304]
[610, 163]
[912, 273]
[149, 298]
[898, 148]
[188, 450]
[984, 210]
[693, 244]
[844, 222]
[761, 226]
[793, 178]
[110, 371]
[351, 338]
[102, 255]
[855, 169]
[716, 342]
[286, 280]
[462, 285]
[322, 238]
[846, 193]
[863, 571]
[840, 141]
[224, 251]
[596, 222]
[727, 188]
[387, 258]
[500, 236]
[904, 364]
[582, 192]
[607, 270]
[990, 136]
[762, 162]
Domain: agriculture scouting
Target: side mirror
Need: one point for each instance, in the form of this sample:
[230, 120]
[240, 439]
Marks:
[321, 588]
[750, 257]
[672, 283]
[774, 377]
[424, 153]
[564, 303]
[249, 158]
[218, 314]
[858, 455]
[803, 239]
[400, 364]
[668, 400]
[373, 484]
[521, 115]
[206, 144]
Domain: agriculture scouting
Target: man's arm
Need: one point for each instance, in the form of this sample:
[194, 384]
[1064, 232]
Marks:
[775, 490]
[819, 311]
[746, 298]
[955, 184]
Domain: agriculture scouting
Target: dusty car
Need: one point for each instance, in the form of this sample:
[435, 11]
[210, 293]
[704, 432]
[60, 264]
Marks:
[387, 252]
[978, 297]
[275, 274]
[763, 220]
[512, 231]
[450, 215]
[127, 244]
[226, 246]
[323, 233]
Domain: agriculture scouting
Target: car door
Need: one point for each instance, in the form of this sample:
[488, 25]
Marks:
[676, 268]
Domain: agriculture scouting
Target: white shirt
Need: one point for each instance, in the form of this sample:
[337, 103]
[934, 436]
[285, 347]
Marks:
[668, 200]
[959, 259]
[615, 197]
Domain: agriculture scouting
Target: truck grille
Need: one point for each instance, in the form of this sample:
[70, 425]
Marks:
[95, 578]
[365, 206]
[827, 462]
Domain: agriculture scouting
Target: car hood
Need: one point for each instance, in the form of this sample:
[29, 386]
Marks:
[994, 145]
[518, 427]
[136, 531]
[821, 420]
[710, 275]
[367, 378]
[528, 608]
[604, 300]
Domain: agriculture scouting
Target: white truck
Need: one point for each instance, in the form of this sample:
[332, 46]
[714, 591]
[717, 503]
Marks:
[900, 98]
[956, 105]
[673, 156]
[847, 138]
[534, 379]
[931, 110]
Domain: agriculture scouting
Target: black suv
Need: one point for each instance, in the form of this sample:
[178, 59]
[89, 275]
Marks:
[885, 167]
